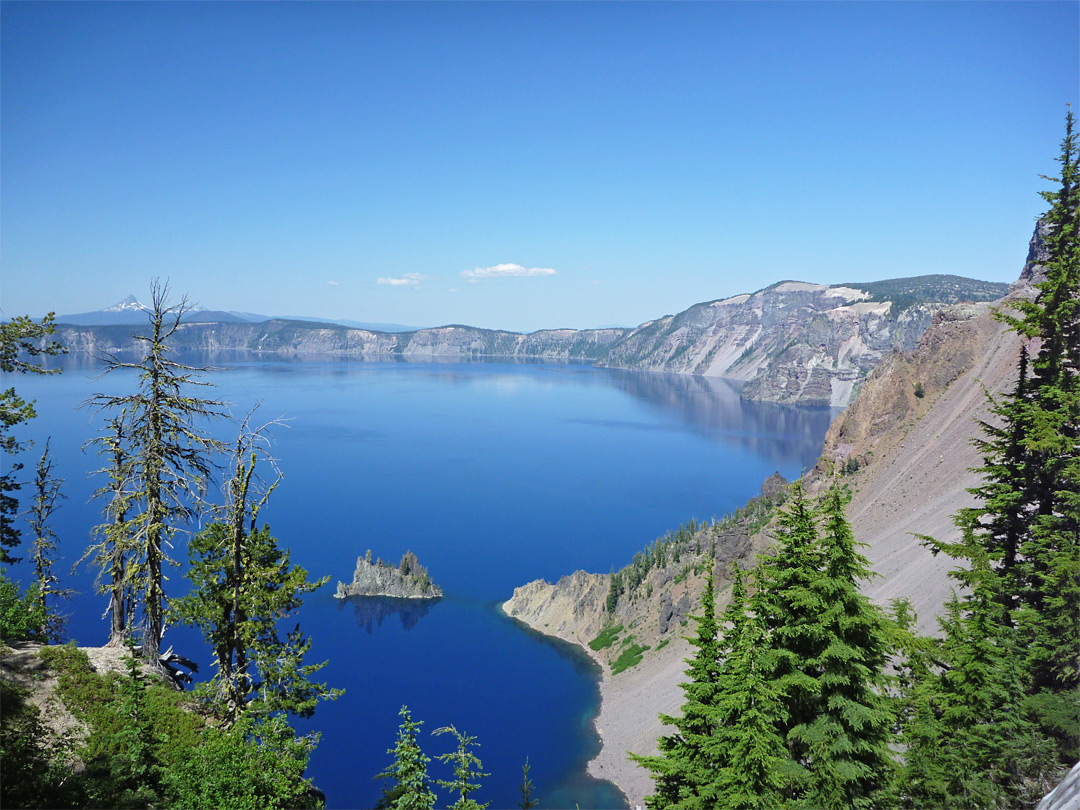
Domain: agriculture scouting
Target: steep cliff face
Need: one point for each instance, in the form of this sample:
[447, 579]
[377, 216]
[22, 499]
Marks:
[915, 455]
[793, 342]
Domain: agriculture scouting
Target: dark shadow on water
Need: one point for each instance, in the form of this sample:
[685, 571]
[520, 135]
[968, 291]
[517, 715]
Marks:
[578, 789]
[372, 611]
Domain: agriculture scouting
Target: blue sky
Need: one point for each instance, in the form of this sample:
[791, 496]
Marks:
[517, 165]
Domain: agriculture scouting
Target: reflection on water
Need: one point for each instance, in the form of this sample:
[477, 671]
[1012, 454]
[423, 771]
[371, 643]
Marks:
[712, 406]
[371, 611]
[709, 406]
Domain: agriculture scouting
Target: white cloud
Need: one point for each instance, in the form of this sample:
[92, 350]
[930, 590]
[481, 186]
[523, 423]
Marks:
[333, 284]
[505, 271]
[407, 280]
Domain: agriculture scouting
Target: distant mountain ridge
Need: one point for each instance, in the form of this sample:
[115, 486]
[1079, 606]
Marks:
[131, 311]
[792, 342]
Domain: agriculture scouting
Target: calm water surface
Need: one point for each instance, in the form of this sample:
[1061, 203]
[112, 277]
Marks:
[494, 475]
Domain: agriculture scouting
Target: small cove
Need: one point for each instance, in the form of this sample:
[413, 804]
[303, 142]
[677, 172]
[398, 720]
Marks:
[494, 474]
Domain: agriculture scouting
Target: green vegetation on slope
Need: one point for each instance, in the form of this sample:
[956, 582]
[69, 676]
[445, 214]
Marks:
[905, 293]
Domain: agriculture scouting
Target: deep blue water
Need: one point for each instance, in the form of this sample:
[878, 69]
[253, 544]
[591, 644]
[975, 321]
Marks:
[494, 474]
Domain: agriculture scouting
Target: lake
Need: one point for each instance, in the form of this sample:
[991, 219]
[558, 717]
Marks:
[494, 474]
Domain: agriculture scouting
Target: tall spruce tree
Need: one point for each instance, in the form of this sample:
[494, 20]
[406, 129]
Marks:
[1050, 620]
[746, 746]
[1027, 521]
[685, 767]
[790, 604]
[848, 742]
[829, 649]
[170, 456]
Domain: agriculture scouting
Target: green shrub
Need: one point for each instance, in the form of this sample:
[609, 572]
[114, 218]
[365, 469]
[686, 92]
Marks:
[32, 768]
[22, 617]
[630, 657]
[607, 637]
[256, 763]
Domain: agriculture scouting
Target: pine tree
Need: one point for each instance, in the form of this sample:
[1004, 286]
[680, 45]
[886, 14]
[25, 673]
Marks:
[410, 790]
[46, 488]
[685, 766]
[1027, 521]
[790, 604]
[170, 458]
[114, 541]
[848, 742]
[1051, 624]
[972, 742]
[467, 773]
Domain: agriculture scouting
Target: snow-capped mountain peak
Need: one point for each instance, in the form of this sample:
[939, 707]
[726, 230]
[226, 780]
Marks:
[129, 304]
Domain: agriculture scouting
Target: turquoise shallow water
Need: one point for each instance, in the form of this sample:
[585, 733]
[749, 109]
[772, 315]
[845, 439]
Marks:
[494, 474]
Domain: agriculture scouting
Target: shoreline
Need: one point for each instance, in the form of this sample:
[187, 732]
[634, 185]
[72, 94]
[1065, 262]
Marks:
[627, 719]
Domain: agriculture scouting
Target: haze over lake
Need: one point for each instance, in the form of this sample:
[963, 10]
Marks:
[494, 474]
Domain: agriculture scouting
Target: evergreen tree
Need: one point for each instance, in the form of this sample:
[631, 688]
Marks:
[411, 790]
[527, 801]
[847, 743]
[829, 649]
[169, 456]
[114, 539]
[46, 487]
[254, 664]
[921, 734]
[1050, 621]
[1025, 529]
[973, 743]
[136, 770]
[20, 340]
[747, 745]
[790, 603]
[685, 766]
[467, 773]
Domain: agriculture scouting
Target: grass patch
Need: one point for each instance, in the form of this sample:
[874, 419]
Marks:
[662, 644]
[606, 638]
[630, 657]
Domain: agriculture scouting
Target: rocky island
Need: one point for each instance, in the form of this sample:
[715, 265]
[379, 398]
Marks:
[408, 580]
